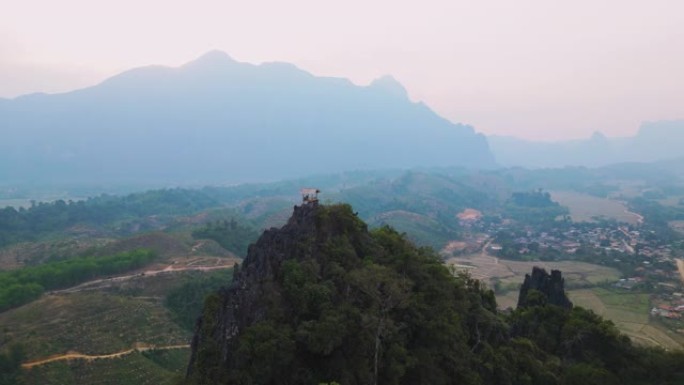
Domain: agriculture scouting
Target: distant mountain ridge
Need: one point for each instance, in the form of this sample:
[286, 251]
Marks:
[655, 141]
[219, 120]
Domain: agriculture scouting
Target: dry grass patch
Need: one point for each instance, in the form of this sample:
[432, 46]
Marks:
[584, 207]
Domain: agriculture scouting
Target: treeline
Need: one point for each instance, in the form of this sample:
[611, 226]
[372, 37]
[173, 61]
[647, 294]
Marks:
[657, 217]
[10, 365]
[534, 208]
[231, 235]
[30, 224]
[24, 285]
[654, 212]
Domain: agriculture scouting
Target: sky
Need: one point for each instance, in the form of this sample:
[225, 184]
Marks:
[535, 69]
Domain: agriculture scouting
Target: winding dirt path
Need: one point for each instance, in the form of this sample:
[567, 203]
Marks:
[149, 273]
[639, 217]
[79, 356]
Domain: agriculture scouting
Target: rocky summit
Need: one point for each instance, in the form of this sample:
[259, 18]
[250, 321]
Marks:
[542, 286]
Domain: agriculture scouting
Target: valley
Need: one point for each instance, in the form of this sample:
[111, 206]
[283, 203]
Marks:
[356, 193]
[619, 258]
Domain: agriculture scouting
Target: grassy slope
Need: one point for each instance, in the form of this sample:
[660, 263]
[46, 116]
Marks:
[135, 369]
[106, 320]
[89, 323]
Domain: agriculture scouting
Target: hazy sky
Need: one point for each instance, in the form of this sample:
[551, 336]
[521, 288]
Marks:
[540, 69]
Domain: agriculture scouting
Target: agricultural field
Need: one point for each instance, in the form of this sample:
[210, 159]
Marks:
[506, 276]
[165, 275]
[630, 313]
[587, 208]
[628, 310]
[671, 201]
[113, 331]
[89, 323]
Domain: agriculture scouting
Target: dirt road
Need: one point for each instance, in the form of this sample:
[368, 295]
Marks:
[87, 357]
[149, 273]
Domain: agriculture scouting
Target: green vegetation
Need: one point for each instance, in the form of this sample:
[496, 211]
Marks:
[18, 287]
[10, 365]
[231, 235]
[658, 216]
[91, 323]
[126, 314]
[163, 367]
[591, 350]
[43, 219]
[370, 308]
[629, 311]
[534, 207]
[185, 302]
[422, 204]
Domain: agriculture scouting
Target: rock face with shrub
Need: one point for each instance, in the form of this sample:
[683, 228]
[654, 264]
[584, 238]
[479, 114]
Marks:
[542, 286]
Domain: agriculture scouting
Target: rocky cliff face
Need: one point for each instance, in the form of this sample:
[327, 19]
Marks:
[242, 303]
[541, 288]
[257, 286]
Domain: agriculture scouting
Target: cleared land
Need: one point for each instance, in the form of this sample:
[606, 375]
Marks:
[113, 332]
[628, 310]
[586, 208]
[177, 266]
[508, 275]
[89, 323]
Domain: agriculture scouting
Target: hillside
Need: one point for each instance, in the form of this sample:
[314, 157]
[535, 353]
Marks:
[323, 300]
[218, 120]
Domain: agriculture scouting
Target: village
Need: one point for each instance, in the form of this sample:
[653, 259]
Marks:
[646, 260]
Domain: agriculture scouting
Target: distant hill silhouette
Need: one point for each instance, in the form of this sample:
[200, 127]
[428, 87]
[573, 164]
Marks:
[655, 141]
[219, 120]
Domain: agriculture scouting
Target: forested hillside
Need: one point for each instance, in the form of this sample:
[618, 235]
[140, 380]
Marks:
[324, 300]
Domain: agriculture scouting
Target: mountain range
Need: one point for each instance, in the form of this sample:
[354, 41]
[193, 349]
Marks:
[655, 141]
[219, 120]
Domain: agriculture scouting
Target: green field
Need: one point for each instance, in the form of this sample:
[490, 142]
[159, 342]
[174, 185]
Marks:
[628, 310]
[510, 274]
[630, 313]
